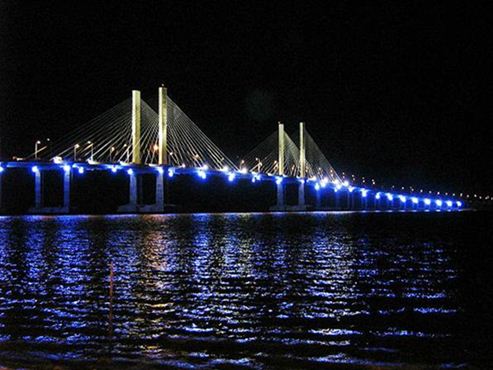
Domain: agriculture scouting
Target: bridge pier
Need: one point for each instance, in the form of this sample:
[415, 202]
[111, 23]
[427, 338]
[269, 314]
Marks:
[301, 196]
[135, 193]
[1, 203]
[158, 206]
[318, 202]
[364, 202]
[38, 189]
[39, 206]
[351, 200]
[280, 196]
[66, 190]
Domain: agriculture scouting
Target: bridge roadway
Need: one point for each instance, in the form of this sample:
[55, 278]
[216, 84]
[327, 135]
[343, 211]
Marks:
[345, 196]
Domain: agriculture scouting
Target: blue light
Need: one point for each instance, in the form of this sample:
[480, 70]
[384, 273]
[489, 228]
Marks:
[377, 196]
[130, 171]
[81, 170]
[317, 187]
[278, 180]
[202, 174]
[1, 169]
[459, 204]
[66, 168]
[114, 169]
[438, 202]
[402, 198]
[414, 200]
[449, 203]
[231, 177]
[256, 177]
[171, 172]
[427, 201]
[160, 170]
[351, 189]
[34, 169]
[364, 193]
[390, 197]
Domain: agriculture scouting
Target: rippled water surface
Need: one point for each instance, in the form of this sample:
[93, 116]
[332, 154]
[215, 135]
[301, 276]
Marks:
[246, 290]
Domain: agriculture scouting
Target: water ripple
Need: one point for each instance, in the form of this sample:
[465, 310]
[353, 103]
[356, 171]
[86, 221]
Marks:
[242, 290]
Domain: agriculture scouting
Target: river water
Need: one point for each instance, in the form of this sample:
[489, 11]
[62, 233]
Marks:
[247, 290]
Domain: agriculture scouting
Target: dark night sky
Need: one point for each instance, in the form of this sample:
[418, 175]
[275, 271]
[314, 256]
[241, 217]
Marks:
[401, 93]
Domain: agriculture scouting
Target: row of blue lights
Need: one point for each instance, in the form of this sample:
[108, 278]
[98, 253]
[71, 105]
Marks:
[389, 196]
[318, 185]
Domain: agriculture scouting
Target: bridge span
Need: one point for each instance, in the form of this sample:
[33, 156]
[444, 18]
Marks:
[133, 140]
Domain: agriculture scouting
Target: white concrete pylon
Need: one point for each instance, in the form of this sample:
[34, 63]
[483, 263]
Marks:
[136, 116]
[163, 125]
[280, 161]
[302, 151]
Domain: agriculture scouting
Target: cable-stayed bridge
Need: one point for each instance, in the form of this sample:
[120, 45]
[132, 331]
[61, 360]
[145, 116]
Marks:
[133, 138]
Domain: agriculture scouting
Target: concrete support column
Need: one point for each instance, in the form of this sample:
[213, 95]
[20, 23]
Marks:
[1, 175]
[140, 190]
[136, 114]
[163, 125]
[133, 195]
[66, 190]
[280, 195]
[318, 201]
[159, 192]
[301, 193]
[38, 189]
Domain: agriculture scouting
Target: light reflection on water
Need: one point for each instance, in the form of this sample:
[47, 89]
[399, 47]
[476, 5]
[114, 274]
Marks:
[232, 289]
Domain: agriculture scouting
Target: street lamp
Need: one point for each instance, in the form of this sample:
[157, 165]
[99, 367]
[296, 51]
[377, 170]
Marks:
[76, 146]
[112, 149]
[91, 145]
[36, 149]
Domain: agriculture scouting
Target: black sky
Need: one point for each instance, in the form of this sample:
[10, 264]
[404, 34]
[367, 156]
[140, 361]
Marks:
[398, 92]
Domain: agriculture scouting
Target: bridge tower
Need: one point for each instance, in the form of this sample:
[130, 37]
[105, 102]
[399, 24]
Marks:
[163, 125]
[136, 115]
[135, 185]
[280, 164]
[301, 186]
